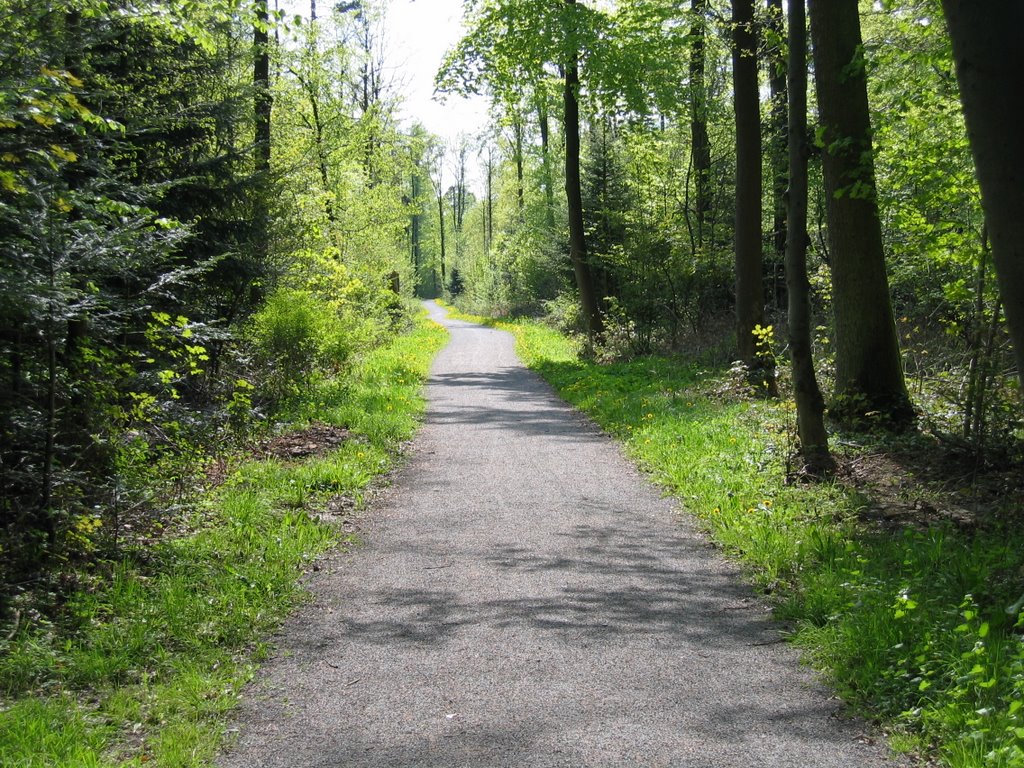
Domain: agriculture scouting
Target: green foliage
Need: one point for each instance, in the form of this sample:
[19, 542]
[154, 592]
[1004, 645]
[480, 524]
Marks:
[134, 250]
[668, 267]
[96, 257]
[456, 285]
[631, 56]
[953, 331]
[145, 664]
[297, 335]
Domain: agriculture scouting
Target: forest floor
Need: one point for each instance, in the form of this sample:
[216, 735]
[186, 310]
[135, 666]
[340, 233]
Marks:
[526, 597]
[926, 483]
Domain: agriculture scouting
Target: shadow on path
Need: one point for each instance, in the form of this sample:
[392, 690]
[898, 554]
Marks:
[526, 600]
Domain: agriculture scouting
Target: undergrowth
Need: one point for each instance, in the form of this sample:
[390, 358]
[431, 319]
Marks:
[141, 668]
[918, 626]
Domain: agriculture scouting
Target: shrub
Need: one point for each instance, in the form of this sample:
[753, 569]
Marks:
[297, 335]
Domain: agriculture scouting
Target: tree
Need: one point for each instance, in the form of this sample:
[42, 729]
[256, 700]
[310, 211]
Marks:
[810, 405]
[626, 59]
[990, 69]
[548, 177]
[700, 143]
[775, 61]
[458, 196]
[605, 203]
[488, 213]
[94, 253]
[437, 179]
[749, 288]
[869, 372]
[313, 73]
[419, 149]
[262, 107]
[573, 190]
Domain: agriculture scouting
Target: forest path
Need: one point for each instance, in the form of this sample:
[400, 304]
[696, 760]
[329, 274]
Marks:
[525, 598]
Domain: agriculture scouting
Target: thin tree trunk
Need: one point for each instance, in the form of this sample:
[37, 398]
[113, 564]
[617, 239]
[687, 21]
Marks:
[810, 405]
[440, 219]
[517, 132]
[545, 152]
[987, 374]
[574, 198]
[977, 335]
[989, 61]
[700, 143]
[262, 113]
[869, 371]
[45, 522]
[489, 228]
[261, 85]
[318, 137]
[416, 224]
[777, 141]
[749, 289]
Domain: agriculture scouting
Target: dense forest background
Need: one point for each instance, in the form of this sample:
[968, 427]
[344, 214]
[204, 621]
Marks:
[686, 138]
[792, 189]
[203, 206]
[206, 204]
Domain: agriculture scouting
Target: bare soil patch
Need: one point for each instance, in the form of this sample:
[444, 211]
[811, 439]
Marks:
[315, 440]
[927, 483]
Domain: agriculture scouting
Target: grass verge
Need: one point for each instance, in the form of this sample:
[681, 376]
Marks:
[917, 625]
[143, 668]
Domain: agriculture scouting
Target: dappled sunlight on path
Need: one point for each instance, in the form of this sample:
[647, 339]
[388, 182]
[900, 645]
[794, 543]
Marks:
[526, 598]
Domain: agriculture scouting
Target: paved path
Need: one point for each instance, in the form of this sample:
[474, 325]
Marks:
[525, 599]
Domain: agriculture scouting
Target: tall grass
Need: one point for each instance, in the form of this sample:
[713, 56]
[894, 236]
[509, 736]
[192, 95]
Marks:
[918, 627]
[144, 668]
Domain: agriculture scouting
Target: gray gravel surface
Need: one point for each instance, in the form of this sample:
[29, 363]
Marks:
[526, 598]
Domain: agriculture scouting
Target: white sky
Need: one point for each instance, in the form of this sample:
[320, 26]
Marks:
[417, 35]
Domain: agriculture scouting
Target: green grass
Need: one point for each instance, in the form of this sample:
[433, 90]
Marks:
[145, 667]
[911, 626]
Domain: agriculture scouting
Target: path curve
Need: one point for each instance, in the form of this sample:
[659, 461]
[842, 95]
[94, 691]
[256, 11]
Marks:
[526, 599]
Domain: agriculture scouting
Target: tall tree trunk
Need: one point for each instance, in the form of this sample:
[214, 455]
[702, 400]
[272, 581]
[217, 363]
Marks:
[484, 219]
[869, 373]
[777, 141]
[45, 521]
[989, 60]
[545, 153]
[489, 211]
[517, 151]
[749, 288]
[261, 85]
[262, 113]
[700, 143]
[416, 223]
[318, 137]
[574, 197]
[440, 220]
[810, 405]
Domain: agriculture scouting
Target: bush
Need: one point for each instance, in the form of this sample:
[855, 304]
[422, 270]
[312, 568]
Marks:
[563, 313]
[297, 335]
